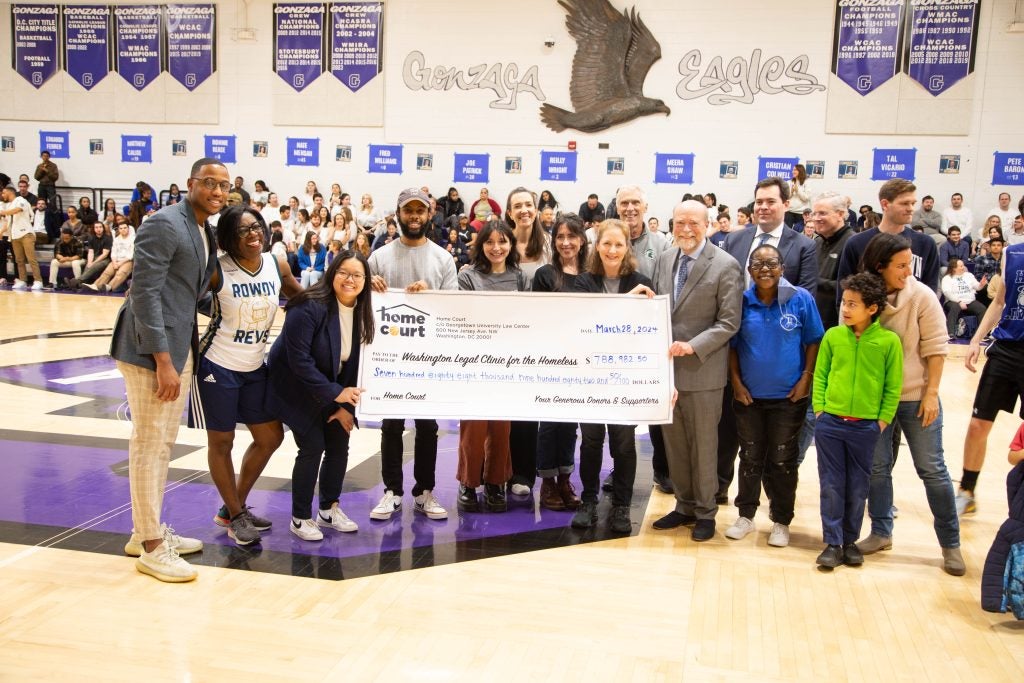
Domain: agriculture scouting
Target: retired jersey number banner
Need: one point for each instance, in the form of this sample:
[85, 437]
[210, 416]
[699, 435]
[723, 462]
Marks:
[511, 356]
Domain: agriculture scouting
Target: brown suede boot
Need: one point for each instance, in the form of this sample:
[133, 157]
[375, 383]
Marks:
[568, 494]
[550, 497]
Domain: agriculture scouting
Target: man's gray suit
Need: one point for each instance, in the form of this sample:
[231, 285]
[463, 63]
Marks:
[706, 315]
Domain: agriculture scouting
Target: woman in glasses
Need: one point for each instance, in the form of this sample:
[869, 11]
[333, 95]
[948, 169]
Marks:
[313, 370]
[230, 382]
[771, 368]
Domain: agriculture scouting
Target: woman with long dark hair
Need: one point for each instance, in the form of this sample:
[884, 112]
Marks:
[246, 288]
[799, 196]
[313, 371]
[913, 313]
[547, 199]
[556, 441]
[484, 450]
[451, 204]
[312, 256]
[611, 270]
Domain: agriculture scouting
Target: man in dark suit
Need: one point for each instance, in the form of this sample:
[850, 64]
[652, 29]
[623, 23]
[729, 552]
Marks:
[800, 257]
[706, 287]
[154, 342]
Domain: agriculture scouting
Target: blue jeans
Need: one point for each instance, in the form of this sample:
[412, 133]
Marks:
[926, 450]
[806, 434]
[845, 450]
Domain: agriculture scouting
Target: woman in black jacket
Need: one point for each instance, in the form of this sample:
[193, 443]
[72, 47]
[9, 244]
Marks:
[313, 371]
[611, 270]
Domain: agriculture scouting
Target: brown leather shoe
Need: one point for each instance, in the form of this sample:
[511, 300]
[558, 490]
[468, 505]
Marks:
[565, 489]
[550, 498]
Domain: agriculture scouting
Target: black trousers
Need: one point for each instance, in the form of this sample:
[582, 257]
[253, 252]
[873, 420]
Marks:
[424, 455]
[728, 442]
[769, 431]
[622, 444]
[522, 442]
[327, 439]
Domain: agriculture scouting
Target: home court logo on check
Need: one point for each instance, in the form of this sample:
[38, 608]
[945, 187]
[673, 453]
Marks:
[403, 321]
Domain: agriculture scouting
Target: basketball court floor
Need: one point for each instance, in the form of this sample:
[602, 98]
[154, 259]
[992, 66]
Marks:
[478, 596]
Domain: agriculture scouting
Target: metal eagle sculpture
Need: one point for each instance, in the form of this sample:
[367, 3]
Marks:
[614, 52]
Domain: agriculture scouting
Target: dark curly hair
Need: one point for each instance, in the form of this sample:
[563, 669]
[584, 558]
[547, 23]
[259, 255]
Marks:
[871, 288]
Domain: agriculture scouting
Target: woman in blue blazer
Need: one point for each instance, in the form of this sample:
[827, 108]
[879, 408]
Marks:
[313, 371]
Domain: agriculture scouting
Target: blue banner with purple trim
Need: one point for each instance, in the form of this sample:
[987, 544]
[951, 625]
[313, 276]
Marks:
[893, 163]
[472, 168]
[87, 43]
[385, 159]
[34, 29]
[776, 167]
[191, 36]
[1008, 168]
[673, 168]
[302, 152]
[220, 147]
[138, 43]
[941, 42]
[558, 166]
[866, 52]
[298, 43]
[137, 149]
[56, 142]
[356, 42]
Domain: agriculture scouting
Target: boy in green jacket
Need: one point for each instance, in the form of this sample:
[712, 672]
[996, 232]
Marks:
[857, 382]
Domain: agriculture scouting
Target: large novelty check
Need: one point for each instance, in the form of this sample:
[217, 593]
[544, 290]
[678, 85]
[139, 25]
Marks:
[512, 356]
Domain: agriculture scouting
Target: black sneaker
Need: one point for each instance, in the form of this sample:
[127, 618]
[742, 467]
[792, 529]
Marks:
[586, 516]
[241, 530]
[467, 499]
[831, 557]
[619, 520]
[494, 497]
[852, 556]
[608, 485]
[663, 484]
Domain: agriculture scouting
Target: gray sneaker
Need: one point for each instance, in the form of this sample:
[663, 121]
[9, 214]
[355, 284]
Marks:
[241, 530]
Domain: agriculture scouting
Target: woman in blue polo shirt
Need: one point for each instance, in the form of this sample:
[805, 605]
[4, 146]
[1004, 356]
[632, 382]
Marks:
[771, 367]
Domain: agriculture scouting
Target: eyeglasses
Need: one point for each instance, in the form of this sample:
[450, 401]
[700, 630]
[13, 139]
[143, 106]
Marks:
[213, 183]
[244, 230]
[345, 275]
[770, 264]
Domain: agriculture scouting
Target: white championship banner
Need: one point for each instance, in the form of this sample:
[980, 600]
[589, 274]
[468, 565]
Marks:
[518, 356]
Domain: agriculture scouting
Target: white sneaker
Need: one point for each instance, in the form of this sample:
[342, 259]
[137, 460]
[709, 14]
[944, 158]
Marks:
[165, 564]
[336, 519]
[306, 529]
[182, 545]
[779, 537]
[37, 286]
[520, 489]
[19, 285]
[740, 528]
[428, 505]
[388, 505]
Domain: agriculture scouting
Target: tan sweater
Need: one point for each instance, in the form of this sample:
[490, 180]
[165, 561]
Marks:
[918, 319]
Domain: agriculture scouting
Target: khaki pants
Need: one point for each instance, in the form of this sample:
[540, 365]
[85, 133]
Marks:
[114, 276]
[154, 430]
[55, 266]
[25, 249]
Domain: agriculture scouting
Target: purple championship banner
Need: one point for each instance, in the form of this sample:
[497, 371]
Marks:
[34, 29]
[298, 43]
[191, 43]
[867, 43]
[138, 43]
[87, 43]
[941, 44]
[356, 42]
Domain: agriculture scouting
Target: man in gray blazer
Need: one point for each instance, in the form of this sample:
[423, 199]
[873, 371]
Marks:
[154, 341]
[706, 286]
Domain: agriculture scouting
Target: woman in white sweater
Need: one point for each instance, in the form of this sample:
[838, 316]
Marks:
[959, 287]
[914, 314]
[122, 254]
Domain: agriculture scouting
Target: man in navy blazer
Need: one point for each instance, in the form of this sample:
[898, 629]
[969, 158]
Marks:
[154, 344]
[800, 256]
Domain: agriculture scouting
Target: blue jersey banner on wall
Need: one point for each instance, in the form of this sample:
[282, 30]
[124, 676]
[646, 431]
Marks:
[87, 43]
[472, 168]
[35, 34]
[138, 44]
[867, 43]
[221, 148]
[356, 40]
[298, 43]
[776, 167]
[673, 168]
[191, 39]
[137, 149]
[302, 152]
[1008, 168]
[558, 166]
[893, 163]
[385, 159]
[941, 43]
[56, 143]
